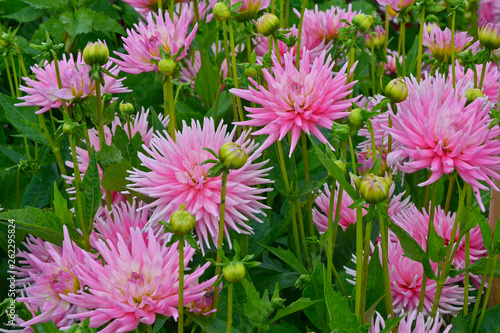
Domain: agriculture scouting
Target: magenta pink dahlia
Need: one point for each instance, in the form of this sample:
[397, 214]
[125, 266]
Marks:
[491, 78]
[489, 10]
[175, 176]
[43, 91]
[143, 44]
[439, 42]
[406, 324]
[135, 283]
[437, 130]
[297, 100]
[393, 59]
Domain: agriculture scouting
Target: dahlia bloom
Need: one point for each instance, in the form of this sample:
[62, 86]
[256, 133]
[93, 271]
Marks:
[43, 91]
[439, 42]
[405, 325]
[378, 38]
[489, 10]
[325, 25]
[143, 44]
[57, 278]
[140, 125]
[297, 100]
[437, 130]
[397, 5]
[490, 83]
[135, 283]
[203, 305]
[189, 72]
[308, 42]
[391, 66]
[175, 176]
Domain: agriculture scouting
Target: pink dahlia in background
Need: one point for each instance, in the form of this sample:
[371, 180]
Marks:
[176, 176]
[490, 82]
[188, 7]
[143, 44]
[56, 278]
[308, 42]
[43, 91]
[192, 65]
[140, 125]
[406, 324]
[146, 6]
[135, 283]
[439, 42]
[393, 59]
[249, 8]
[437, 130]
[489, 10]
[397, 5]
[297, 100]
[203, 305]
[325, 25]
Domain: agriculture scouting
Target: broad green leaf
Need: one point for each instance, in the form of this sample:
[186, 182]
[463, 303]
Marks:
[210, 324]
[477, 268]
[108, 155]
[27, 14]
[129, 148]
[256, 309]
[156, 123]
[314, 290]
[485, 228]
[375, 283]
[50, 4]
[491, 321]
[289, 258]
[459, 324]
[77, 23]
[38, 191]
[61, 208]
[298, 305]
[341, 317]
[92, 192]
[390, 324]
[411, 58]
[437, 251]
[103, 23]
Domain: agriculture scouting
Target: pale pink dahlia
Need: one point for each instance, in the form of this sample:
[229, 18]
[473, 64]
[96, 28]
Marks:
[439, 42]
[57, 278]
[143, 44]
[491, 78]
[175, 176]
[397, 5]
[135, 283]
[325, 25]
[393, 59]
[437, 130]
[43, 91]
[406, 324]
[297, 100]
[489, 10]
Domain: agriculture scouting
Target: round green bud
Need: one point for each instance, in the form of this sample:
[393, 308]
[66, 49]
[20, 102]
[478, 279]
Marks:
[221, 11]
[356, 117]
[69, 128]
[232, 156]
[126, 109]
[4, 43]
[489, 35]
[472, 94]
[267, 24]
[182, 222]
[96, 54]
[375, 189]
[251, 71]
[167, 66]
[341, 165]
[107, 97]
[234, 272]
[362, 22]
[396, 90]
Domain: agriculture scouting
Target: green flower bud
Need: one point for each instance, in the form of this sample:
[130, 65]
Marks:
[341, 165]
[356, 117]
[182, 222]
[167, 66]
[251, 71]
[267, 24]
[396, 90]
[375, 189]
[363, 22]
[107, 97]
[126, 109]
[232, 156]
[221, 11]
[234, 272]
[489, 35]
[472, 94]
[96, 54]
[69, 128]
[341, 131]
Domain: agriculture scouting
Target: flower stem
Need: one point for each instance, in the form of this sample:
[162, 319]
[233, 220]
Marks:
[483, 72]
[372, 50]
[299, 34]
[14, 72]
[366, 252]
[466, 277]
[420, 43]
[449, 193]
[180, 322]
[305, 160]
[229, 74]
[480, 293]
[160, 4]
[168, 88]
[384, 232]
[55, 150]
[453, 48]
[12, 91]
[220, 236]
[277, 49]
[287, 13]
[359, 260]
[102, 139]
[386, 28]
[487, 296]
[353, 156]
[171, 10]
[282, 21]
[229, 308]
[301, 229]
[329, 252]
[235, 73]
[402, 31]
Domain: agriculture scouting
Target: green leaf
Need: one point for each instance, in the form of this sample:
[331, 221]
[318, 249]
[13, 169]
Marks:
[496, 238]
[412, 56]
[210, 324]
[156, 123]
[129, 148]
[491, 320]
[314, 290]
[102, 22]
[435, 243]
[92, 192]
[485, 228]
[256, 309]
[390, 324]
[341, 317]
[374, 281]
[38, 191]
[51, 4]
[77, 23]
[289, 258]
[27, 14]
[477, 268]
[61, 208]
[298, 305]
[459, 325]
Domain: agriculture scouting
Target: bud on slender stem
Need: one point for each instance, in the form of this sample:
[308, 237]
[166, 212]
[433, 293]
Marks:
[221, 11]
[232, 156]
[396, 90]
[375, 189]
[96, 54]
[234, 272]
[363, 22]
[182, 222]
[267, 24]
[167, 66]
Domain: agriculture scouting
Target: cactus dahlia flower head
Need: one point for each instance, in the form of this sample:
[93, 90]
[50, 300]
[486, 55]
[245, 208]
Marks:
[297, 100]
[489, 10]
[135, 283]
[393, 59]
[175, 176]
[439, 42]
[325, 25]
[431, 325]
[140, 125]
[143, 43]
[490, 83]
[397, 5]
[43, 91]
[437, 130]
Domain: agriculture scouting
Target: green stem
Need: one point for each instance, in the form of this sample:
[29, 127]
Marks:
[453, 47]
[277, 49]
[487, 296]
[299, 34]
[150, 329]
[329, 252]
[287, 12]
[171, 9]
[372, 50]
[359, 260]
[301, 229]
[249, 47]
[220, 236]
[282, 11]
[180, 322]
[55, 150]
[466, 277]
[203, 68]
[353, 156]
[387, 15]
[229, 325]
[307, 179]
[172, 124]
[449, 193]
[403, 49]
[420, 43]
[12, 91]
[18, 179]
[235, 73]
[483, 72]
[14, 71]
[366, 252]
[229, 74]
[100, 129]
[479, 294]
[384, 232]
[160, 4]
[20, 59]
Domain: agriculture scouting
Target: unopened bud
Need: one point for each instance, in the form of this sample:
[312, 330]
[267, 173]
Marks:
[96, 54]
[182, 222]
[375, 189]
[69, 128]
[396, 90]
[362, 22]
[107, 97]
[267, 24]
[232, 156]
[234, 272]
[167, 66]
[221, 11]
[126, 109]
[472, 94]
[356, 117]
[489, 35]
[251, 71]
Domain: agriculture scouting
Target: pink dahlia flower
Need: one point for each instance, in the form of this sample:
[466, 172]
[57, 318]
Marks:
[393, 59]
[140, 125]
[406, 324]
[175, 176]
[397, 5]
[135, 283]
[43, 91]
[490, 83]
[437, 130]
[189, 72]
[297, 100]
[325, 25]
[439, 42]
[489, 10]
[143, 44]
[57, 278]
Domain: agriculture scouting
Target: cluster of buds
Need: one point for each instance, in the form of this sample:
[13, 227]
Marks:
[396, 90]
[374, 189]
